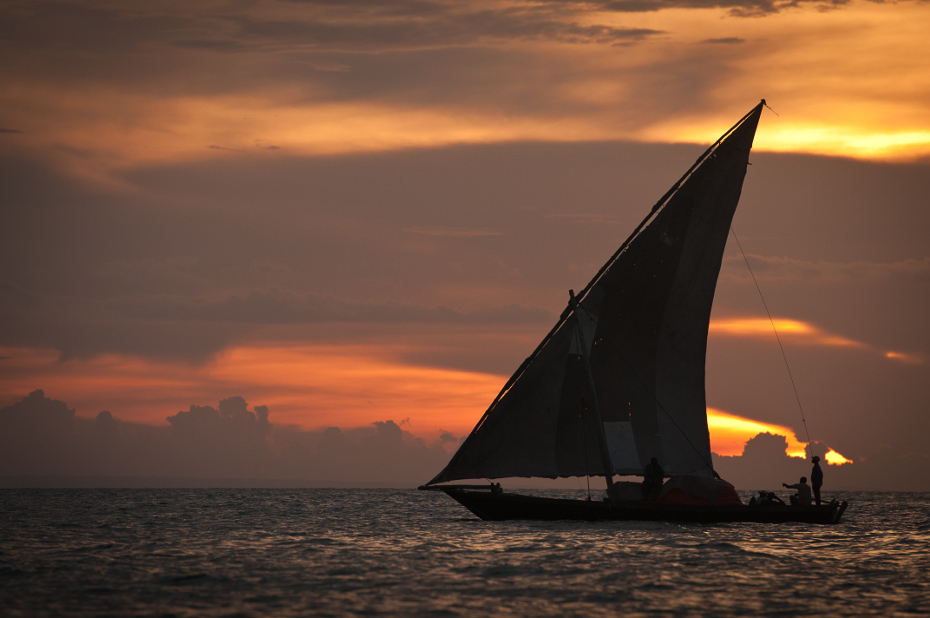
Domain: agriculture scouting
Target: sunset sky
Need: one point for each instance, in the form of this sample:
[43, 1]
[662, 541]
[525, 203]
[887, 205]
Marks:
[355, 212]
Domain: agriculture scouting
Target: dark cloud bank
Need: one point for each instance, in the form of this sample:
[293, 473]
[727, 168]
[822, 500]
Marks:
[358, 26]
[43, 444]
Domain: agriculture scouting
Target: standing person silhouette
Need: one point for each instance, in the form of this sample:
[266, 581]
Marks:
[816, 478]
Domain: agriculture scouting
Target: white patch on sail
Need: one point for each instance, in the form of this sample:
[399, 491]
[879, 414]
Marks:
[622, 446]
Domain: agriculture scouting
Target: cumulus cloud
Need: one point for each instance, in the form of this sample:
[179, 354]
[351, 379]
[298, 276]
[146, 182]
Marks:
[765, 465]
[42, 442]
[233, 415]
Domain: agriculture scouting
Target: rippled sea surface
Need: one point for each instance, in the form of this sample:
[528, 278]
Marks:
[281, 552]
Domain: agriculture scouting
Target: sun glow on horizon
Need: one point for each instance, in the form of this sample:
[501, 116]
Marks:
[729, 434]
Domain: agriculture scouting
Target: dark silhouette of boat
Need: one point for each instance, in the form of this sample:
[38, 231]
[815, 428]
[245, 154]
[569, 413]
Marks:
[619, 379]
[500, 506]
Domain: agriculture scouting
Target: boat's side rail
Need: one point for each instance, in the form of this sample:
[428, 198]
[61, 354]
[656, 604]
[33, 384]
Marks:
[446, 488]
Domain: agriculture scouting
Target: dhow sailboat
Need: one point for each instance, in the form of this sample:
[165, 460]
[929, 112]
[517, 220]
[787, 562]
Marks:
[619, 379]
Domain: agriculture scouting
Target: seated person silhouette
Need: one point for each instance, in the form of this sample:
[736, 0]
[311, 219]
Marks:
[653, 475]
[766, 498]
[803, 497]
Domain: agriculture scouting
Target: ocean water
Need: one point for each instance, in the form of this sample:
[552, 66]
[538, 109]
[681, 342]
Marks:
[336, 552]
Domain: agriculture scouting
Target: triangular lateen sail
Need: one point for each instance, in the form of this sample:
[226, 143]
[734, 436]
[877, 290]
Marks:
[642, 322]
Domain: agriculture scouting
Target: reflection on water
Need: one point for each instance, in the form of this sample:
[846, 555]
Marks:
[295, 552]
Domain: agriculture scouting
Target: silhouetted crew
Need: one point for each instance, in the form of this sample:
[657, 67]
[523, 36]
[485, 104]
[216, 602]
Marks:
[816, 478]
[653, 475]
[803, 497]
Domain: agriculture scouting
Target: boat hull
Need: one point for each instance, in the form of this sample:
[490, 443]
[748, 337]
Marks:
[501, 506]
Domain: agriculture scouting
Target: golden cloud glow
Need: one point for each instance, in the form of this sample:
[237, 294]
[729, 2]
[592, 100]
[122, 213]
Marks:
[797, 332]
[729, 434]
[911, 359]
[118, 131]
[835, 459]
[850, 140]
[846, 82]
[793, 330]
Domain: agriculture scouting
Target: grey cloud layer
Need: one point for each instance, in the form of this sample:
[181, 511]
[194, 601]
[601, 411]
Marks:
[203, 253]
[100, 26]
[416, 53]
[41, 437]
[263, 308]
[106, 27]
[738, 8]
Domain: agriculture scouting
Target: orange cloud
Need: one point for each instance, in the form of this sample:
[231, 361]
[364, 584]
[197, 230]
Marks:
[793, 330]
[729, 434]
[307, 385]
[798, 332]
[118, 131]
[835, 459]
[310, 386]
[911, 359]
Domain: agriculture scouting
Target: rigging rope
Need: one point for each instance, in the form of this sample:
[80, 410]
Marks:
[770, 109]
[810, 444]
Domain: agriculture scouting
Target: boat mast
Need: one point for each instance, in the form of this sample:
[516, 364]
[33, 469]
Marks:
[602, 437]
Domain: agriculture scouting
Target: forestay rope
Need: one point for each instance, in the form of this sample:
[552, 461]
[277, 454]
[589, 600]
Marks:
[810, 444]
